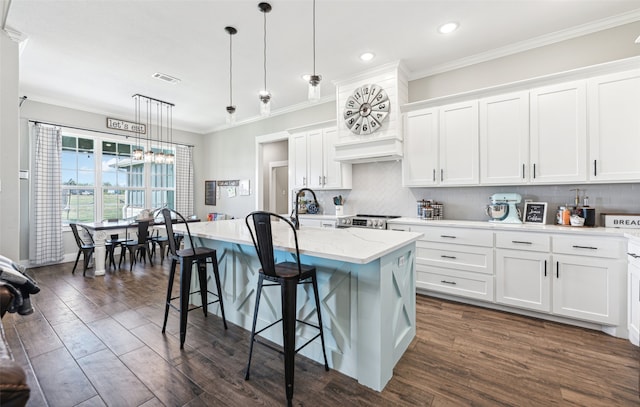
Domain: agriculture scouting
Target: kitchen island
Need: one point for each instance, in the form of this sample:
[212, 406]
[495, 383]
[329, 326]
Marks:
[366, 281]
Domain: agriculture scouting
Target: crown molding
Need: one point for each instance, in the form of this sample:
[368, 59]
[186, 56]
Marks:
[532, 43]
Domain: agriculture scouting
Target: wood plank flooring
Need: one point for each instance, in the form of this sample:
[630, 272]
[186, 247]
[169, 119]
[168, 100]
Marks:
[97, 342]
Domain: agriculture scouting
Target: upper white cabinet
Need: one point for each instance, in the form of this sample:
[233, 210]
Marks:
[420, 148]
[459, 144]
[614, 126]
[559, 133]
[504, 139]
[441, 146]
[312, 161]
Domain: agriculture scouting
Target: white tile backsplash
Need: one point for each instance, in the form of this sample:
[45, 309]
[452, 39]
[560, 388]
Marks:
[377, 190]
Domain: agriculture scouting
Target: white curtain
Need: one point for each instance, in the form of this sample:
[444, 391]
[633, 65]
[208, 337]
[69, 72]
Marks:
[184, 180]
[45, 237]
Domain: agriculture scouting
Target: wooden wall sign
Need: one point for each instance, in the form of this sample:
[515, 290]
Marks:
[126, 126]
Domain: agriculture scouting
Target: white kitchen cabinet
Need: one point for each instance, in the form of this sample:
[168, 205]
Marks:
[504, 139]
[458, 139]
[420, 162]
[558, 132]
[313, 161]
[298, 160]
[441, 146]
[587, 288]
[614, 128]
[633, 282]
[455, 261]
[523, 270]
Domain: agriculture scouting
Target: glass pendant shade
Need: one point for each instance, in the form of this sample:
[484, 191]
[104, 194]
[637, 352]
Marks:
[169, 158]
[314, 88]
[149, 156]
[159, 158]
[265, 103]
[231, 115]
[138, 154]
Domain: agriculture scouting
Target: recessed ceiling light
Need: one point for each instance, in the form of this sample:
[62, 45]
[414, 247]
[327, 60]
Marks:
[448, 28]
[367, 56]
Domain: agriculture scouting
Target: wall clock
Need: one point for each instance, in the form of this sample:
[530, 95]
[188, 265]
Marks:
[366, 109]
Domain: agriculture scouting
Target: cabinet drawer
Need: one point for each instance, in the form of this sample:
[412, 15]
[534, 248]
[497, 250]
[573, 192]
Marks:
[590, 246]
[454, 256]
[461, 283]
[473, 237]
[634, 251]
[523, 241]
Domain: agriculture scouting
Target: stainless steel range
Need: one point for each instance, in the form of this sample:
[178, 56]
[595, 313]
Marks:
[365, 221]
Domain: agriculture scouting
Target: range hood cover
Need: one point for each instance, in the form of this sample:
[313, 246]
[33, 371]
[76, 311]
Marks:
[369, 150]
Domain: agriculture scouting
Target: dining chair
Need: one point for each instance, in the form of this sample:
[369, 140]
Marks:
[140, 246]
[286, 275]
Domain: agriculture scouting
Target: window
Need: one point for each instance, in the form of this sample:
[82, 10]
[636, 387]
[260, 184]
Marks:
[101, 180]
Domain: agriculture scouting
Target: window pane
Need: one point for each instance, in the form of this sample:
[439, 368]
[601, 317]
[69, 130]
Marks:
[78, 205]
[69, 143]
[108, 147]
[85, 144]
[124, 149]
[113, 204]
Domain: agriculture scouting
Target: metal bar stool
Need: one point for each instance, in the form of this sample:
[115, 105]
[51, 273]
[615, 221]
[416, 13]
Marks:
[287, 275]
[187, 258]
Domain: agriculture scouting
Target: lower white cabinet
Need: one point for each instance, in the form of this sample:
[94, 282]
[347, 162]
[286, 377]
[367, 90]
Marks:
[455, 261]
[633, 298]
[587, 288]
[523, 280]
[562, 275]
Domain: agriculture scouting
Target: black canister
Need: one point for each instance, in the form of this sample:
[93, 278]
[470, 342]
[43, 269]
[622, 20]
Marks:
[589, 215]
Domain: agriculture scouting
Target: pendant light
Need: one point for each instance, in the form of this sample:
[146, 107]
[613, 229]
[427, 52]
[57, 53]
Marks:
[265, 95]
[231, 109]
[138, 152]
[170, 158]
[314, 79]
[159, 156]
[149, 155]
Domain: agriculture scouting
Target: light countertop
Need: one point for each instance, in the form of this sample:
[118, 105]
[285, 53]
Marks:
[587, 231]
[353, 245]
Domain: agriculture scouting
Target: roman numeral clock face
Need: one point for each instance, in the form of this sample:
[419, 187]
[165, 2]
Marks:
[366, 109]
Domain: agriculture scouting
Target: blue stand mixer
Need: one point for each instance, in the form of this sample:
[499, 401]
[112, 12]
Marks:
[503, 208]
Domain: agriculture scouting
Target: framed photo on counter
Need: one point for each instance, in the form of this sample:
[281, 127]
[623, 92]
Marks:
[535, 212]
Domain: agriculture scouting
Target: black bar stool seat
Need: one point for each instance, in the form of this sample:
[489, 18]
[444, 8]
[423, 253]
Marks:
[199, 256]
[287, 275]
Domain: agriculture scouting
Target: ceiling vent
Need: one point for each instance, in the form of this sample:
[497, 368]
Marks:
[166, 78]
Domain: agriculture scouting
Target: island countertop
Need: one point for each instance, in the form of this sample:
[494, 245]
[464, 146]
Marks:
[353, 245]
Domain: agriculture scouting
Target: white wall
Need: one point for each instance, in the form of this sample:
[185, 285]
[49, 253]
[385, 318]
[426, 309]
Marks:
[9, 149]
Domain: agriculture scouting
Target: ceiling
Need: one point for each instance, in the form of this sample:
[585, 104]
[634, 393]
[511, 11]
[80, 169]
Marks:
[93, 55]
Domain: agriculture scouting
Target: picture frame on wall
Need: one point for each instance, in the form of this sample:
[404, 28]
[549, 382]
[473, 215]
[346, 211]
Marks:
[535, 212]
[210, 193]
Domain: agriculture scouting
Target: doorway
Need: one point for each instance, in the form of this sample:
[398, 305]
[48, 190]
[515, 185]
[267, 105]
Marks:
[272, 154]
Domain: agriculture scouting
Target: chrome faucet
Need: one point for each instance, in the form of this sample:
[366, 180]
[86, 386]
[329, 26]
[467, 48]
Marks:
[295, 219]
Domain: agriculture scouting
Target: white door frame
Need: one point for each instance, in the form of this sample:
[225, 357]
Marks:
[260, 140]
[272, 181]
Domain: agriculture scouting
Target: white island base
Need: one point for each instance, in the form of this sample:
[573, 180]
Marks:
[368, 309]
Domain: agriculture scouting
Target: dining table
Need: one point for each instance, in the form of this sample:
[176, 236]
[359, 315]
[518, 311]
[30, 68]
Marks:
[101, 231]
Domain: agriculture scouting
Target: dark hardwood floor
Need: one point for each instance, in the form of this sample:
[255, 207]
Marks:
[96, 342]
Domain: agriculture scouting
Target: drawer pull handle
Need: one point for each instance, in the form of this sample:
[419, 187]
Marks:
[584, 247]
[520, 242]
[545, 268]
[635, 256]
[448, 282]
[557, 269]
[448, 257]
[448, 236]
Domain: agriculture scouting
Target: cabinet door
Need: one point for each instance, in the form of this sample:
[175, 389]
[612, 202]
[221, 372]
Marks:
[504, 139]
[559, 133]
[298, 160]
[459, 144]
[614, 128]
[523, 279]
[420, 163]
[634, 302]
[315, 158]
[332, 177]
[588, 288]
